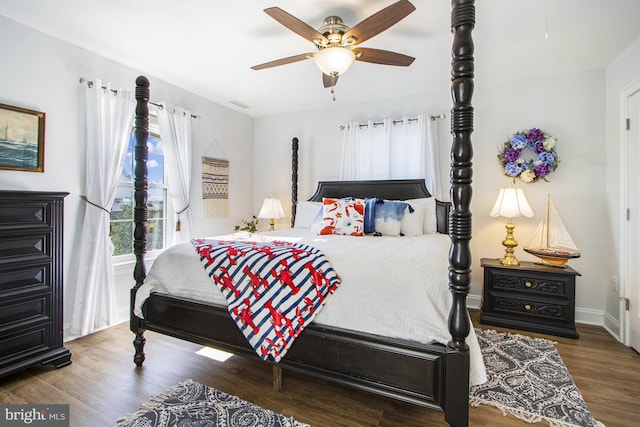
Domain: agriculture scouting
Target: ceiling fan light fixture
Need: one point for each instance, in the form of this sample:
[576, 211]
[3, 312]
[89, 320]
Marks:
[334, 61]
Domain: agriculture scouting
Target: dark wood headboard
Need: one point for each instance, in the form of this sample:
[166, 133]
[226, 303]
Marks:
[395, 189]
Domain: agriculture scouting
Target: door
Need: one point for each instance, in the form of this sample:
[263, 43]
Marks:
[633, 237]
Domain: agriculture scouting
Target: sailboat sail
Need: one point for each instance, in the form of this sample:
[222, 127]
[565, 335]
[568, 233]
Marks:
[552, 239]
[552, 233]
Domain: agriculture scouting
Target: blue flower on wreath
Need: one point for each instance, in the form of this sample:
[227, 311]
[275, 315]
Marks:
[513, 169]
[518, 141]
[547, 157]
[517, 162]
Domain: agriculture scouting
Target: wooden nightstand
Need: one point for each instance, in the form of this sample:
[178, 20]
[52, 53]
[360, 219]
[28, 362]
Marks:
[529, 296]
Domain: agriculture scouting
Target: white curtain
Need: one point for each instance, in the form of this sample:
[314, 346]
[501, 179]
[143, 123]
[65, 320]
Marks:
[392, 149]
[175, 132]
[109, 117]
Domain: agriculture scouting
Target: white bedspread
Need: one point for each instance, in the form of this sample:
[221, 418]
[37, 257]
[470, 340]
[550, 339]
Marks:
[391, 286]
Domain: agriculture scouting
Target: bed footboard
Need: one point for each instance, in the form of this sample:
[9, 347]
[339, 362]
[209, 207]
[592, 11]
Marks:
[404, 370]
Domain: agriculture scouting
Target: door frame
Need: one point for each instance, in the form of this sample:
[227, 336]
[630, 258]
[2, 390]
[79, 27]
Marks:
[623, 271]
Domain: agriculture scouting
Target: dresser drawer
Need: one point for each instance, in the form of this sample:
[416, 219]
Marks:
[528, 282]
[23, 213]
[22, 313]
[14, 347]
[19, 279]
[28, 247]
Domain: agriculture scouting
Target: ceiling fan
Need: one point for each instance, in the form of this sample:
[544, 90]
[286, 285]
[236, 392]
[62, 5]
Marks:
[336, 42]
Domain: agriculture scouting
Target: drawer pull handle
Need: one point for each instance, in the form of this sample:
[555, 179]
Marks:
[527, 284]
[527, 307]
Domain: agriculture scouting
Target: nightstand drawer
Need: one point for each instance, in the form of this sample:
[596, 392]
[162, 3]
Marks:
[535, 284]
[532, 309]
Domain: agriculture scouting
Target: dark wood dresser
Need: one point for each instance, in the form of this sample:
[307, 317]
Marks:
[529, 296]
[31, 280]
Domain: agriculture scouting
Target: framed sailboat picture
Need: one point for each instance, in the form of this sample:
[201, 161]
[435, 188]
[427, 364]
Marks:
[21, 139]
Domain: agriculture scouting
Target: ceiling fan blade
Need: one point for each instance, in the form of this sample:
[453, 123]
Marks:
[296, 25]
[385, 57]
[378, 22]
[329, 81]
[283, 61]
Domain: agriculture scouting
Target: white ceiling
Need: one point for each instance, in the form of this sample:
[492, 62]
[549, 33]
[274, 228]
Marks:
[207, 46]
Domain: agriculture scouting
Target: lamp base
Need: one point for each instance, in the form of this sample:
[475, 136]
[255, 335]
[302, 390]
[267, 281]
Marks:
[509, 260]
[272, 225]
[509, 244]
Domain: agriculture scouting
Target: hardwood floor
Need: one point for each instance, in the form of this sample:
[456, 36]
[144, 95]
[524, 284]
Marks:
[103, 384]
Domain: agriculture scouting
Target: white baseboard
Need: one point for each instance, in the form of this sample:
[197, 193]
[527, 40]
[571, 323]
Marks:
[122, 316]
[589, 317]
[612, 325]
[474, 301]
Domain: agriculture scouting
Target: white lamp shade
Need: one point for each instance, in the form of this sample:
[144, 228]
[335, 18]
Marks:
[511, 203]
[334, 60]
[271, 208]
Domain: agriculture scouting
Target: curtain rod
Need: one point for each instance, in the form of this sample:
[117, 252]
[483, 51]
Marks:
[413, 119]
[82, 80]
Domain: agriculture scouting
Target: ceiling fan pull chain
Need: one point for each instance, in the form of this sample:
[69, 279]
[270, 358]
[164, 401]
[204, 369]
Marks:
[333, 86]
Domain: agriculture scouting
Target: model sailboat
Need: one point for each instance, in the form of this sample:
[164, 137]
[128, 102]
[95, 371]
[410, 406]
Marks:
[551, 242]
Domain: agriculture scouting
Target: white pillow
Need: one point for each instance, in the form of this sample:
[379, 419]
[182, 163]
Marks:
[412, 222]
[306, 212]
[430, 222]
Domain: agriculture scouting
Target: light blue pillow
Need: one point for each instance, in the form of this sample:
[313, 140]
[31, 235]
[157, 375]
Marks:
[388, 217]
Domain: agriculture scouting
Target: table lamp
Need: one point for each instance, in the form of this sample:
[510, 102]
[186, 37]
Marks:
[511, 203]
[271, 209]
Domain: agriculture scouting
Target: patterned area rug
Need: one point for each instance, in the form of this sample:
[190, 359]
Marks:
[528, 379]
[192, 404]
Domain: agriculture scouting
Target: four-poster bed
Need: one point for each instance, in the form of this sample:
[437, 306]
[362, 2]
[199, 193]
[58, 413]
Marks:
[431, 375]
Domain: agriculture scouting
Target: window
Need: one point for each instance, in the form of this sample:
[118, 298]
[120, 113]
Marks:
[122, 225]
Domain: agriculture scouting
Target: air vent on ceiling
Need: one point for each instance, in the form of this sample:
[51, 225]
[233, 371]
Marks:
[239, 104]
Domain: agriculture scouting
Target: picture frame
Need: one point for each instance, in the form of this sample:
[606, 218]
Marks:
[21, 139]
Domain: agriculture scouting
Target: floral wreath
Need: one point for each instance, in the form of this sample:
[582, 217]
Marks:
[541, 163]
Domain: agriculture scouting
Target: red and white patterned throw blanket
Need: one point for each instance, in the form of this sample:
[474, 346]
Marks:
[273, 288]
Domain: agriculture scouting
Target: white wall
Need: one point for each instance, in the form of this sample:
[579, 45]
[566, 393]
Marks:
[320, 140]
[571, 107]
[41, 73]
[621, 73]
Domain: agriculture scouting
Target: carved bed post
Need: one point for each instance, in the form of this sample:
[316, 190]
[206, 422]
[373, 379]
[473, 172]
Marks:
[294, 179]
[462, 73]
[140, 212]
[462, 23]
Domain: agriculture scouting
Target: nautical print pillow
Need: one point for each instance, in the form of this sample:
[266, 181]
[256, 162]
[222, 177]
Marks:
[342, 216]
